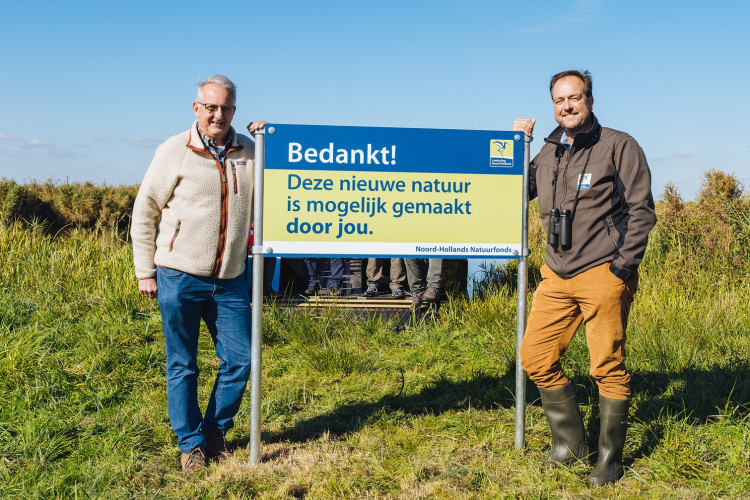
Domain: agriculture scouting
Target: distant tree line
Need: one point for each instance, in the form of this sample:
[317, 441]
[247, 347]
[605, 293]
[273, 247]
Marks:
[712, 232]
[64, 205]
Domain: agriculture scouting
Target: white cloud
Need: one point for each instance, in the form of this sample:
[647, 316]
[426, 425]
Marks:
[581, 13]
[143, 141]
[18, 146]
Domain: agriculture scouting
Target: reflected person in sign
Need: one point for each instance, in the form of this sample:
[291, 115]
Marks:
[190, 226]
[594, 189]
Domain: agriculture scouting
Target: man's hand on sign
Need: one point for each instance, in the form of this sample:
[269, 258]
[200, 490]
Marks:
[147, 287]
[255, 126]
[525, 125]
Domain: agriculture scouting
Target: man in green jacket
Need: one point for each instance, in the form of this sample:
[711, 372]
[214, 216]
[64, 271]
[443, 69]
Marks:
[594, 190]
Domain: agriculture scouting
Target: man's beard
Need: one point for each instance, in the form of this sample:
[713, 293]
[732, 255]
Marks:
[583, 127]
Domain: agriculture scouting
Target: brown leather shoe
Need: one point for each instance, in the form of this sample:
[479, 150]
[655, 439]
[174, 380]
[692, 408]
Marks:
[430, 296]
[193, 461]
[216, 445]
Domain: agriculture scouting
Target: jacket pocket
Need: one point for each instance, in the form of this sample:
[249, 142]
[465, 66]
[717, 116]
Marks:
[174, 236]
[611, 232]
[234, 176]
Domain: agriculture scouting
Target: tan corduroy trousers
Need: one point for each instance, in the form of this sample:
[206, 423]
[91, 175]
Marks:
[602, 302]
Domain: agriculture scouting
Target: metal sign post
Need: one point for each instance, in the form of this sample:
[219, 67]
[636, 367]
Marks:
[257, 298]
[521, 309]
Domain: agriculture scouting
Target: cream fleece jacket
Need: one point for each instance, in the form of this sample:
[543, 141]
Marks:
[190, 215]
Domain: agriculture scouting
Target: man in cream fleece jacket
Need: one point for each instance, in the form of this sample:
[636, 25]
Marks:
[190, 224]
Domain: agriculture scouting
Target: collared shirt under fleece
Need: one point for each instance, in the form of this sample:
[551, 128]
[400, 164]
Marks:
[192, 213]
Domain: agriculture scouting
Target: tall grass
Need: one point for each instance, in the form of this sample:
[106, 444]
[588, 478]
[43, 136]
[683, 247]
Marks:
[363, 407]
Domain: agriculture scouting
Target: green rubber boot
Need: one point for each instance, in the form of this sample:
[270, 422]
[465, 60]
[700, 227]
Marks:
[614, 425]
[566, 424]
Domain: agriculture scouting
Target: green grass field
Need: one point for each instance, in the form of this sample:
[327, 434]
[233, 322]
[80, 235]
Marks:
[359, 407]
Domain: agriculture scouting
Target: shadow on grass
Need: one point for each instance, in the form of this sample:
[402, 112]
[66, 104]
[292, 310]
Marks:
[483, 392]
[697, 396]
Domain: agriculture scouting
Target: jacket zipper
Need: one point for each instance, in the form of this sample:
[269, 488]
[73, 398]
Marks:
[565, 195]
[224, 223]
[174, 236]
[222, 220]
[234, 174]
[565, 177]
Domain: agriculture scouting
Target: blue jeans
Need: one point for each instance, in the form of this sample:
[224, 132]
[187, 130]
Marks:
[336, 267]
[224, 306]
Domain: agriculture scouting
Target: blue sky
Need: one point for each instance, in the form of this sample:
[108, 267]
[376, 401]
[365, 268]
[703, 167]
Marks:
[91, 88]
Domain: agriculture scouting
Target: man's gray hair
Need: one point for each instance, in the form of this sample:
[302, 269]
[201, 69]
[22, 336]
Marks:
[220, 80]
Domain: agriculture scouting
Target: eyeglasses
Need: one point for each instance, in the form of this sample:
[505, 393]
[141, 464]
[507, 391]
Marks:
[213, 108]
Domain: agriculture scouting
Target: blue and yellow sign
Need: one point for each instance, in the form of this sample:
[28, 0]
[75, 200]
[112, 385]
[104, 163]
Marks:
[371, 192]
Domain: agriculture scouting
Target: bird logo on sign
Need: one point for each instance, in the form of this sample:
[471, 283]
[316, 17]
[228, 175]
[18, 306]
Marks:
[500, 146]
[501, 153]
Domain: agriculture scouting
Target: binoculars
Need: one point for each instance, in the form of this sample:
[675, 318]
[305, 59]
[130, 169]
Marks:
[559, 229]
